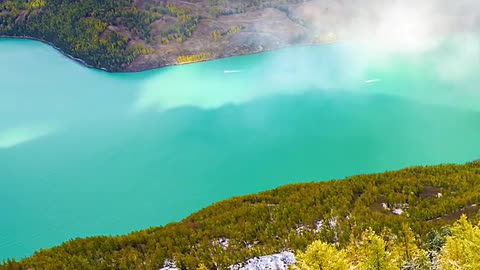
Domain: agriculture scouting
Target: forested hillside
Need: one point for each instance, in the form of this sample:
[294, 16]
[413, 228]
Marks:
[111, 34]
[135, 35]
[97, 32]
[453, 248]
[420, 199]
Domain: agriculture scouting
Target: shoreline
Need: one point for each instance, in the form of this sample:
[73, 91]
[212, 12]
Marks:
[83, 63]
[277, 188]
[243, 54]
[75, 59]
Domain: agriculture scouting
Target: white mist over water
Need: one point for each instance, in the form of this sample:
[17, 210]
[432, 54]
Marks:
[351, 66]
[171, 141]
[12, 137]
[378, 36]
[292, 119]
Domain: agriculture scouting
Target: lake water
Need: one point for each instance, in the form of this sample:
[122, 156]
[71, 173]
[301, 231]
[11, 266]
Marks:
[85, 152]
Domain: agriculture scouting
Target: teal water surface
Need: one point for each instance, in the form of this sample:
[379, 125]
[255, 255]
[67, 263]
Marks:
[85, 152]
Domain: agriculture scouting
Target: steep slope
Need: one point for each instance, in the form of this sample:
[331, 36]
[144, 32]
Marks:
[287, 218]
[134, 35]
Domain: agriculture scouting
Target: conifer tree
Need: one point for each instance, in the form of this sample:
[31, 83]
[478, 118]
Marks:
[202, 267]
[462, 248]
[322, 256]
[374, 254]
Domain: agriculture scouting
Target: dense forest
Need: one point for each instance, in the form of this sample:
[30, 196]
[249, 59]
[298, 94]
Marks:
[416, 204]
[135, 35]
[111, 34]
[80, 28]
[456, 247]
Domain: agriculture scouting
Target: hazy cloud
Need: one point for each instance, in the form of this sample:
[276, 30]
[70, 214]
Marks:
[15, 136]
[378, 32]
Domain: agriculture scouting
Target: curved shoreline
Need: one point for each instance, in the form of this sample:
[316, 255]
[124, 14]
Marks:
[75, 59]
[281, 197]
[83, 63]
[236, 55]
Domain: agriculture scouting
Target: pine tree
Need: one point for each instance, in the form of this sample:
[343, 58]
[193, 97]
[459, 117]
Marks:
[405, 250]
[322, 256]
[374, 254]
[462, 248]
[202, 267]
[421, 262]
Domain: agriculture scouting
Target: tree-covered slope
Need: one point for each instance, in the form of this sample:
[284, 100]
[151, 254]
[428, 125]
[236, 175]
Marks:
[134, 35]
[289, 217]
[111, 34]
[454, 247]
[97, 32]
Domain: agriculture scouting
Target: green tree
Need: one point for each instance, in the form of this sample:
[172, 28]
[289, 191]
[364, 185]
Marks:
[202, 267]
[373, 253]
[407, 247]
[420, 262]
[462, 248]
[436, 238]
[322, 256]
[407, 253]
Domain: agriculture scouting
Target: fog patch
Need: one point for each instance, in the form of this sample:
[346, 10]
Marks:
[373, 35]
[288, 71]
[12, 137]
[461, 60]
[187, 86]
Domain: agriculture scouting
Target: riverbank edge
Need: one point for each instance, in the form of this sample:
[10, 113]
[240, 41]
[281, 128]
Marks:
[411, 167]
[85, 64]
[78, 60]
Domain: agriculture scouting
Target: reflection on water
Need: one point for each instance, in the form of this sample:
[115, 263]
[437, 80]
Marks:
[84, 152]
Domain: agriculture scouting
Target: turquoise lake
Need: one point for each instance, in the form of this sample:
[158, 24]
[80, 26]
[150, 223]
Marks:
[85, 152]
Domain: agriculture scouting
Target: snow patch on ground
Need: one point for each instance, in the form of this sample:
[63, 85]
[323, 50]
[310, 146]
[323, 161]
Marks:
[397, 211]
[385, 207]
[332, 222]
[169, 265]
[279, 261]
[169, 268]
[318, 226]
[223, 242]
[301, 229]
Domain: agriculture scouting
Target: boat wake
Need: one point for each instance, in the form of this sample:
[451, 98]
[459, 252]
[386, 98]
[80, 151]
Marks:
[372, 81]
[231, 71]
